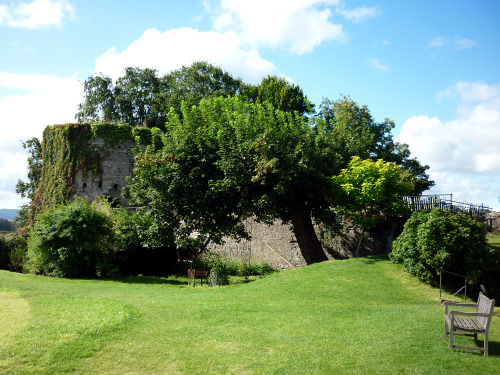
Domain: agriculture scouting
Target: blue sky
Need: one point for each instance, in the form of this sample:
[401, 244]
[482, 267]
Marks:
[431, 66]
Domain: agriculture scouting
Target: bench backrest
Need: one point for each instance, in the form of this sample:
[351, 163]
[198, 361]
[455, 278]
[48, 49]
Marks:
[485, 305]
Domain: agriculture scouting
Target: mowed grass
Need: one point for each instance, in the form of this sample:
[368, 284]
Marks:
[361, 316]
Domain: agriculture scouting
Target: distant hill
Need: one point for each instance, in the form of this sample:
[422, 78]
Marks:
[8, 213]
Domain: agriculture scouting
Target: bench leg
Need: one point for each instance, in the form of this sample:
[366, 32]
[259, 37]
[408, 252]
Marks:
[451, 339]
[486, 344]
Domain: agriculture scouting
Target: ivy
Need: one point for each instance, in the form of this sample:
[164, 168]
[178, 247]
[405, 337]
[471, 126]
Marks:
[65, 150]
[114, 134]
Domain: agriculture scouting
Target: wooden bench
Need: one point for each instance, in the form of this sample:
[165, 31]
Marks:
[197, 274]
[469, 323]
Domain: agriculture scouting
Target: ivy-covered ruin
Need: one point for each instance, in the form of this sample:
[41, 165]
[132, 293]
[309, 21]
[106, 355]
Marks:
[87, 160]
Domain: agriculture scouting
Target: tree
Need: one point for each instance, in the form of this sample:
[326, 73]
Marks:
[99, 104]
[439, 239]
[369, 139]
[227, 159]
[135, 97]
[71, 240]
[28, 189]
[280, 93]
[366, 189]
[200, 80]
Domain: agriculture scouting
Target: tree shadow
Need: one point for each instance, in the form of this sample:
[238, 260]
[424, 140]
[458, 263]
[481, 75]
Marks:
[148, 280]
[372, 259]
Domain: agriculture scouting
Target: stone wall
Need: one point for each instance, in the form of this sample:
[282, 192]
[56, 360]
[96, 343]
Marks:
[117, 162]
[277, 245]
[493, 221]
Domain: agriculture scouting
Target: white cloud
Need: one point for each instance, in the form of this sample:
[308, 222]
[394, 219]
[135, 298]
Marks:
[437, 41]
[174, 48]
[378, 65]
[360, 14]
[464, 153]
[37, 14]
[296, 25]
[464, 43]
[51, 100]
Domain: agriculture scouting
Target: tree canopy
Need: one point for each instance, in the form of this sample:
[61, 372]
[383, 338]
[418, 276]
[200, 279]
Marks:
[366, 189]
[227, 159]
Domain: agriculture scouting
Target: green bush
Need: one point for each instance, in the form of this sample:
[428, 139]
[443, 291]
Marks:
[73, 240]
[437, 240]
[12, 251]
[4, 253]
[131, 255]
[219, 272]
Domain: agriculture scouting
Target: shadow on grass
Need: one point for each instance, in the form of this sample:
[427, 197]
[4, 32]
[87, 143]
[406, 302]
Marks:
[372, 259]
[493, 348]
[151, 280]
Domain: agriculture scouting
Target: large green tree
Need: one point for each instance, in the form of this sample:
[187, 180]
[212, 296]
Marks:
[136, 95]
[367, 138]
[190, 84]
[27, 189]
[282, 94]
[99, 104]
[227, 159]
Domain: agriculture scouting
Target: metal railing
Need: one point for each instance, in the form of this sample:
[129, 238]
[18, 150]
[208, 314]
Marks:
[445, 202]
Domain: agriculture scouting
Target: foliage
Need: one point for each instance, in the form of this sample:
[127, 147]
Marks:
[28, 189]
[437, 240]
[227, 159]
[241, 268]
[219, 272]
[99, 104]
[367, 189]
[131, 253]
[191, 84]
[141, 98]
[4, 253]
[65, 148]
[72, 240]
[360, 135]
[7, 225]
[280, 93]
[135, 97]
[113, 134]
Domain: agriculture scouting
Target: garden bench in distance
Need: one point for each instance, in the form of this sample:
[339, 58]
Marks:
[197, 274]
[469, 323]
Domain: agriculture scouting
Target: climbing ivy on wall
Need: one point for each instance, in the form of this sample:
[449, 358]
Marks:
[66, 150]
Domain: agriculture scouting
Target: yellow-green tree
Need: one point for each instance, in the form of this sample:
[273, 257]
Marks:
[367, 189]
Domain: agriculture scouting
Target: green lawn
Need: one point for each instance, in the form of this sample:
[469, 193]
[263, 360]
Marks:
[361, 316]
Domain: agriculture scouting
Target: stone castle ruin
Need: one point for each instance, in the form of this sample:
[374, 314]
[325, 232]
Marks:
[95, 160]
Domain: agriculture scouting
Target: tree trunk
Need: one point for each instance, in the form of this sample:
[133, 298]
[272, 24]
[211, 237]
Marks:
[303, 228]
[360, 241]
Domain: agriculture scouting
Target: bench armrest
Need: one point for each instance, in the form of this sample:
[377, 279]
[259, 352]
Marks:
[460, 304]
[456, 312]
[450, 303]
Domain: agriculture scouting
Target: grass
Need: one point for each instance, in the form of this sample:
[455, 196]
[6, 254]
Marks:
[361, 316]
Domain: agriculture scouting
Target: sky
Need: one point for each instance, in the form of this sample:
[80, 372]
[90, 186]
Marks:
[431, 66]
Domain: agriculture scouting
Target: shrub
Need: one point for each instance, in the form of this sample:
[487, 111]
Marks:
[12, 251]
[131, 256]
[4, 253]
[219, 272]
[441, 240]
[72, 240]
